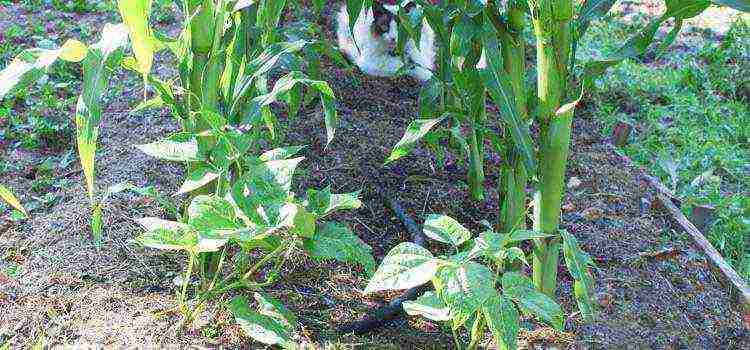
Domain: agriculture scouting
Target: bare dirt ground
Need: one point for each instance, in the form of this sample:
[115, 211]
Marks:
[71, 294]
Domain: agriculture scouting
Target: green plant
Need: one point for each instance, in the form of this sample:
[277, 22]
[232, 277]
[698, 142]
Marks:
[224, 53]
[466, 30]
[255, 212]
[478, 284]
[240, 203]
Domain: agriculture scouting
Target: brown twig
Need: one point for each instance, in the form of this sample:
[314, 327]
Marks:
[394, 309]
[738, 285]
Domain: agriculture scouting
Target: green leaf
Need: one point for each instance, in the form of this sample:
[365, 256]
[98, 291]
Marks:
[304, 223]
[428, 306]
[323, 202]
[166, 235]
[263, 193]
[503, 320]
[443, 228]
[101, 60]
[523, 235]
[212, 217]
[354, 10]
[336, 241]
[407, 265]
[579, 263]
[464, 288]
[262, 328]
[175, 151]
[520, 289]
[414, 132]
[11, 199]
[499, 86]
[273, 308]
[280, 153]
[285, 85]
[199, 177]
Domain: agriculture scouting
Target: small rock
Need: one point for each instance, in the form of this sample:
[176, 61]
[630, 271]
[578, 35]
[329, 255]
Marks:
[701, 215]
[593, 213]
[621, 133]
[574, 183]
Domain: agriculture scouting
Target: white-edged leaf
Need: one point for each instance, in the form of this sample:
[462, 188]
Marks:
[407, 265]
[446, 229]
[464, 288]
[428, 306]
[196, 179]
[262, 328]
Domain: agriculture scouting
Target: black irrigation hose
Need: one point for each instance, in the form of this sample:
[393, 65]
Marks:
[394, 309]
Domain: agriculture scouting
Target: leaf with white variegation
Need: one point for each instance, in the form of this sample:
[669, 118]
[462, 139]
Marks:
[445, 229]
[407, 265]
[166, 235]
[323, 202]
[428, 306]
[464, 288]
[29, 65]
[273, 308]
[263, 328]
[100, 61]
[197, 178]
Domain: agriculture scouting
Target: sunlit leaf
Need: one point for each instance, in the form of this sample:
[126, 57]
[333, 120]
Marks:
[135, 15]
[175, 151]
[197, 178]
[407, 265]
[262, 328]
[446, 229]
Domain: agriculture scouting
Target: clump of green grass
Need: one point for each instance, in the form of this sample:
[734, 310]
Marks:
[691, 109]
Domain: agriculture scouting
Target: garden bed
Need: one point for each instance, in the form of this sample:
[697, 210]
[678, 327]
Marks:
[654, 289]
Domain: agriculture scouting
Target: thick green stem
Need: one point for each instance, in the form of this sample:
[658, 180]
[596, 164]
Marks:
[476, 154]
[551, 21]
[514, 176]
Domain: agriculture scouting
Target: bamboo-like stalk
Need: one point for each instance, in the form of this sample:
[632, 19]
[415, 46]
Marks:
[552, 26]
[513, 174]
